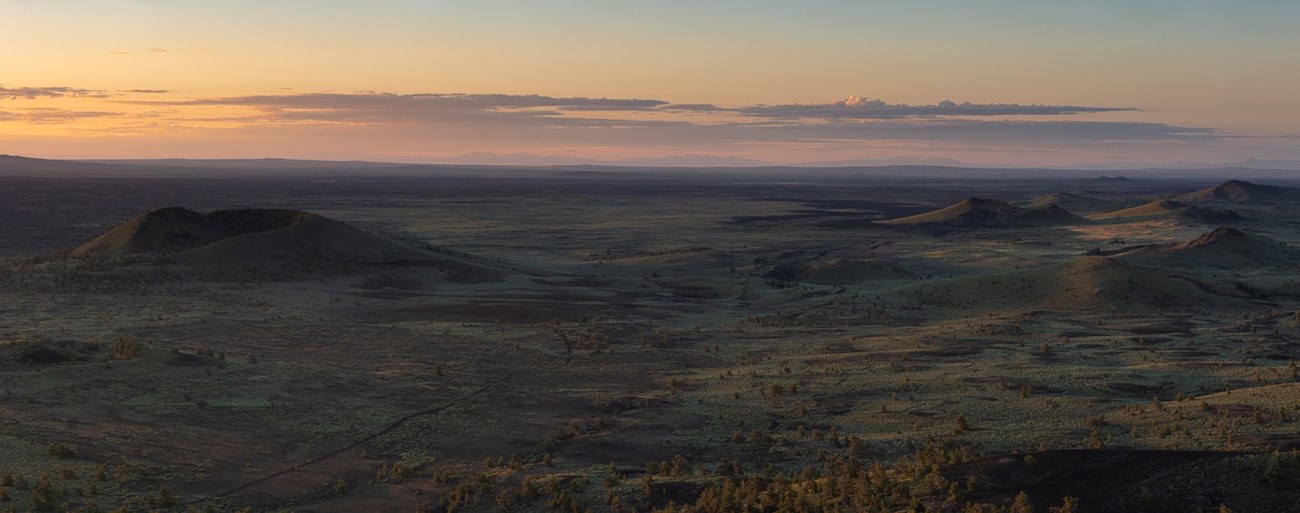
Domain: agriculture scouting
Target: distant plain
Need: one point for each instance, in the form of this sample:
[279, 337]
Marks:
[570, 329]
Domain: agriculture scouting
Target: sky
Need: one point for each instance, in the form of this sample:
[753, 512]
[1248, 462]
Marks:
[991, 82]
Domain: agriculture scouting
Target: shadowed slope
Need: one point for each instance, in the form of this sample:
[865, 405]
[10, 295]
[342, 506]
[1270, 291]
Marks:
[251, 237]
[165, 230]
[313, 237]
[841, 271]
[1071, 202]
[989, 213]
[1168, 209]
[1085, 283]
[1126, 480]
[1226, 248]
[1238, 191]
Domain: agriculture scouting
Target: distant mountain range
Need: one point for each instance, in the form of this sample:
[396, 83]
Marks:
[523, 164]
[688, 160]
[1252, 163]
[697, 160]
[896, 161]
[529, 159]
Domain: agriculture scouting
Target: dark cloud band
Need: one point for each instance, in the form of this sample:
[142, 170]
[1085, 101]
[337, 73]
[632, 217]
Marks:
[632, 121]
[863, 108]
[32, 93]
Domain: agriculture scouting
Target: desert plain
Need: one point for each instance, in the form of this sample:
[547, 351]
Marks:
[591, 339]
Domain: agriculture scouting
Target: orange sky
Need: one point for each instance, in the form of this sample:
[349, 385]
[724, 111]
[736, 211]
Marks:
[1196, 81]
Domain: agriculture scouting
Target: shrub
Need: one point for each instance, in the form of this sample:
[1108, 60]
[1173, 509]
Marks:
[44, 496]
[60, 451]
[165, 497]
[126, 348]
[961, 425]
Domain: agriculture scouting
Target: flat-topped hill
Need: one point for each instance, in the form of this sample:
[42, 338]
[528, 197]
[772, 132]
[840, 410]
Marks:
[173, 229]
[245, 237]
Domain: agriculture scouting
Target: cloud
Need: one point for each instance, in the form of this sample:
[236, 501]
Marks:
[855, 107]
[32, 93]
[571, 120]
[47, 116]
[985, 133]
[693, 107]
[440, 101]
[844, 116]
[1007, 131]
[388, 108]
[505, 120]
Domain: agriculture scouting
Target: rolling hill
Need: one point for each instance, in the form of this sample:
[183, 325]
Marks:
[1224, 248]
[1070, 201]
[989, 213]
[1086, 283]
[13, 165]
[1238, 191]
[1169, 209]
[841, 271]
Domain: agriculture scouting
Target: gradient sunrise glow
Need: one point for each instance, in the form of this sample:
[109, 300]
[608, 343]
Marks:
[986, 82]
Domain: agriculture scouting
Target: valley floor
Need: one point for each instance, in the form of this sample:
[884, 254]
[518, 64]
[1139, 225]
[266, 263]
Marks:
[594, 345]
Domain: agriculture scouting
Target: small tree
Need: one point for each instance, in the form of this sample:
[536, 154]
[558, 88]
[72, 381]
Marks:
[165, 497]
[1021, 504]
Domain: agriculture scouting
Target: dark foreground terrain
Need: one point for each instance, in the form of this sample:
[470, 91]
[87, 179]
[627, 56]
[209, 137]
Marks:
[603, 340]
